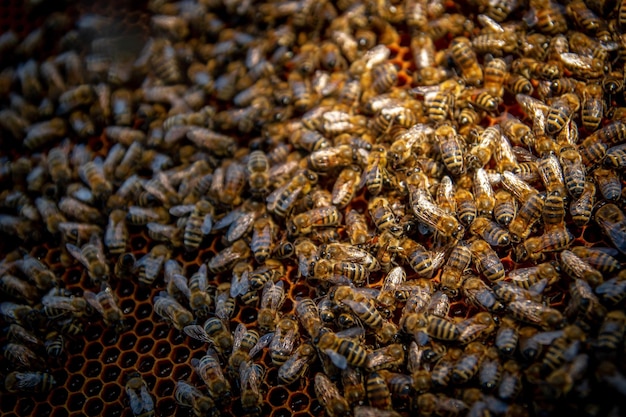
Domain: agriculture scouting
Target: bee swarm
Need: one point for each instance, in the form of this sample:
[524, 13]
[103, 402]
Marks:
[373, 208]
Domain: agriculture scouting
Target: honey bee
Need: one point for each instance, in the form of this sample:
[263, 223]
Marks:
[199, 224]
[464, 56]
[309, 316]
[378, 393]
[39, 134]
[382, 215]
[487, 261]
[530, 276]
[149, 266]
[209, 369]
[608, 183]
[551, 241]
[29, 382]
[577, 268]
[490, 231]
[297, 364]
[140, 400]
[216, 143]
[116, 233]
[481, 295]
[341, 349]
[246, 345]
[430, 214]
[345, 186]
[597, 258]
[328, 395]
[452, 274]
[611, 332]
[582, 65]
[466, 206]
[532, 312]
[272, 299]
[92, 173]
[581, 208]
[250, 378]
[442, 370]
[22, 357]
[199, 298]
[468, 365]
[480, 154]
[105, 303]
[187, 395]
[224, 259]
[387, 357]
[282, 343]
[450, 148]
[91, 255]
[375, 174]
[529, 212]
[304, 223]
[553, 210]
[281, 200]
[170, 310]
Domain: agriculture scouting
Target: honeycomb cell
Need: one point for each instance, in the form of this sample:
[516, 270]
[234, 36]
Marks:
[298, 402]
[114, 410]
[76, 401]
[281, 412]
[75, 382]
[145, 364]
[25, 406]
[167, 406]
[126, 289]
[93, 350]
[110, 355]
[128, 341]
[76, 362]
[181, 372]
[127, 306]
[161, 331]
[59, 412]
[92, 369]
[162, 349]
[143, 311]
[59, 397]
[111, 373]
[93, 387]
[111, 392]
[278, 396]
[138, 242]
[73, 276]
[248, 315]
[143, 327]
[93, 333]
[164, 387]
[128, 359]
[94, 407]
[163, 368]
[300, 290]
[144, 345]
[180, 354]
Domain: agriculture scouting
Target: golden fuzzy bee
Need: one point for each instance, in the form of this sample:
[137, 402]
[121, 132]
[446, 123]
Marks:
[272, 299]
[487, 261]
[304, 223]
[342, 349]
[246, 345]
[189, 396]
[464, 56]
[329, 396]
[105, 302]
[430, 214]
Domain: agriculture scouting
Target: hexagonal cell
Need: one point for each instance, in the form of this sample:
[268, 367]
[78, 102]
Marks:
[163, 368]
[146, 364]
[109, 337]
[59, 412]
[176, 338]
[161, 331]
[75, 382]
[111, 392]
[298, 401]
[110, 355]
[162, 349]
[93, 387]
[94, 407]
[59, 396]
[111, 373]
[127, 306]
[75, 346]
[167, 406]
[25, 406]
[113, 410]
[142, 294]
[8, 403]
[180, 354]
[73, 277]
[300, 290]
[126, 288]
[144, 327]
[93, 333]
[181, 372]
[248, 315]
[127, 341]
[281, 412]
[93, 350]
[76, 401]
[278, 396]
[144, 345]
[92, 369]
[138, 242]
[128, 359]
[143, 311]
[164, 388]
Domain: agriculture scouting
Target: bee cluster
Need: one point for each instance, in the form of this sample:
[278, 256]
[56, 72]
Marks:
[369, 208]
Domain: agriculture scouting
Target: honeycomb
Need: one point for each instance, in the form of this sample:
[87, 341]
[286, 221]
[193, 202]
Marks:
[91, 375]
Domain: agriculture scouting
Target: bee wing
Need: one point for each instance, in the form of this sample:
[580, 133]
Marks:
[572, 350]
[27, 380]
[239, 227]
[207, 224]
[351, 333]
[395, 278]
[421, 337]
[197, 332]
[239, 286]
[146, 399]
[538, 287]
[76, 253]
[182, 210]
[227, 220]
[338, 360]
[240, 332]
[135, 403]
[92, 299]
[490, 24]
[546, 338]
[263, 342]
[180, 282]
